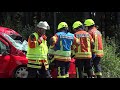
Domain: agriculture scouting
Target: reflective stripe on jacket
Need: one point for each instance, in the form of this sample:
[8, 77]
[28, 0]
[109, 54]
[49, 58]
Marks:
[38, 52]
[83, 51]
[62, 45]
[97, 36]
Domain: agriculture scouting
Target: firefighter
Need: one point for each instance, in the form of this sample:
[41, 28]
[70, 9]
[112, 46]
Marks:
[37, 52]
[83, 53]
[98, 50]
[61, 44]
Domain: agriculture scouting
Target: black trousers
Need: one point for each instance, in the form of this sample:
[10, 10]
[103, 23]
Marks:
[84, 65]
[96, 64]
[38, 73]
[62, 67]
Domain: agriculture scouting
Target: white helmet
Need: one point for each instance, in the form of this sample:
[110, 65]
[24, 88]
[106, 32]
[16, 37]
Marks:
[44, 25]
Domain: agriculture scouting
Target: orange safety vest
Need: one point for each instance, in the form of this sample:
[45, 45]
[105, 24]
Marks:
[83, 51]
[97, 36]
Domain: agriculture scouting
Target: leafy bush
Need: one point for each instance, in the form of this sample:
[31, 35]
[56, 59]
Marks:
[7, 23]
[110, 62]
[27, 30]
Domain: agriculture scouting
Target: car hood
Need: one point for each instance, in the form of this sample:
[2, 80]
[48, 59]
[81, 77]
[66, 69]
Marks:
[8, 31]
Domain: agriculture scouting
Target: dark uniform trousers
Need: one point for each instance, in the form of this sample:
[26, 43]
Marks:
[38, 73]
[97, 66]
[62, 67]
[84, 65]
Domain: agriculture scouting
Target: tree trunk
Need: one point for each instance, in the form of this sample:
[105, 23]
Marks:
[55, 18]
[42, 16]
[118, 18]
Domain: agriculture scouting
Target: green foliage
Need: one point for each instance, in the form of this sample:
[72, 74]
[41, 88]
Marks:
[7, 22]
[110, 62]
[27, 30]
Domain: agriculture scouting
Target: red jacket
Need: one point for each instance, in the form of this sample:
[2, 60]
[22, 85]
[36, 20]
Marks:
[97, 36]
[83, 51]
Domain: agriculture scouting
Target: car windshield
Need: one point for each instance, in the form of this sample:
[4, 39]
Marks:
[16, 37]
[17, 43]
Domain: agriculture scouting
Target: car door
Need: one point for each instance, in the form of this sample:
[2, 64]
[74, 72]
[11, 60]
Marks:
[4, 57]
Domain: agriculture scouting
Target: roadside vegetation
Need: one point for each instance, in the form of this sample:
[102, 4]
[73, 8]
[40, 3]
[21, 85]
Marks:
[110, 62]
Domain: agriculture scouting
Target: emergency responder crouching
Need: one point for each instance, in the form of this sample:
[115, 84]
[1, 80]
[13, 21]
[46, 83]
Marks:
[37, 52]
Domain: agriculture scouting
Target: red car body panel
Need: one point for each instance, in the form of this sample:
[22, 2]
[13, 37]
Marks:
[8, 31]
[12, 33]
[8, 63]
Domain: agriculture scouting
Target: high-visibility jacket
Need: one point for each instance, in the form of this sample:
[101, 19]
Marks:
[97, 36]
[83, 51]
[37, 52]
[62, 43]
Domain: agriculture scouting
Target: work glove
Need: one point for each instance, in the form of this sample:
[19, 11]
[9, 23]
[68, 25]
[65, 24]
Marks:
[50, 56]
[51, 62]
[43, 37]
[40, 40]
[72, 55]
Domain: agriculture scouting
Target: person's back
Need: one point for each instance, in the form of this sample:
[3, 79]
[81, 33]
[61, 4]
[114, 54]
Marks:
[63, 46]
[97, 37]
[83, 51]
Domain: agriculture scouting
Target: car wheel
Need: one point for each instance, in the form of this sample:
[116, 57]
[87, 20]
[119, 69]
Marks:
[21, 72]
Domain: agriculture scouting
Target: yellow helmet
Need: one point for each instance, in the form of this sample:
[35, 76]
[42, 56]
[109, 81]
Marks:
[89, 22]
[77, 24]
[62, 25]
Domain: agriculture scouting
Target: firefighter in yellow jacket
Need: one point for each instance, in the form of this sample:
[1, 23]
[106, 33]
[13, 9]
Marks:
[37, 52]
